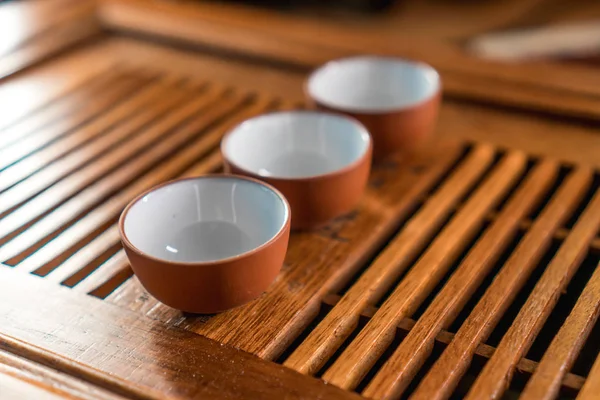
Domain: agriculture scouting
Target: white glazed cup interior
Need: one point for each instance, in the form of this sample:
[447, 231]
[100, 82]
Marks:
[296, 144]
[373, 84]
[205, 219]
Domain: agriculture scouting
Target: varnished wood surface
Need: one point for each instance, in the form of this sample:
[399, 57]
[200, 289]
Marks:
[23, 379]
[444, 337]
[292, 39]
[402, 366]
[536, 134]
[494, 378]
[136, 357]
[349, 369]
[435, 236]
[443, 377]
[328, 336]
[566, 345]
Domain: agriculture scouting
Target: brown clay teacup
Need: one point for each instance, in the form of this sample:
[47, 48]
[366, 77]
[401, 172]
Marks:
[319, 161]
[206, 244]
[397, 100]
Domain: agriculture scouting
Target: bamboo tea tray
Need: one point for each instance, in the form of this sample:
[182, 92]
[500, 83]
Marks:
[468, 271]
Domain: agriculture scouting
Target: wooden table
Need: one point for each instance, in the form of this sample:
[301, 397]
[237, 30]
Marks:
[468, 270]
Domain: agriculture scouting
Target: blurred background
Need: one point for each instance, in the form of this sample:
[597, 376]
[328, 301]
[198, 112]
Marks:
[503, 30]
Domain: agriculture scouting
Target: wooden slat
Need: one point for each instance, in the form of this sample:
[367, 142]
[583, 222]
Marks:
[267, 326]
[445, 374]
[71, 271]
[115, 93]
[86, 260]
[360, 355]
[52, 382]
[559, 234]
[591, 388]
[397, 373]
[64, 103]
[134, 135]
[484, 351]
[135, 356]
[497, 373]
[103, 280]
[117, 268]
[38, 88]
[339, 323]
[87, 134]
[44, 260]
[566, 345]
[107, 277]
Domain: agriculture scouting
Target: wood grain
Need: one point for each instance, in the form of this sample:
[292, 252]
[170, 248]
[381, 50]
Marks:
[570, 381]
[134, 356]
[339, 323]
[399, 370]
[92, 136]
[53, 253]
[540, 135]
[273, 321]
[292, 39]
[87, 259]
[90, 177]
[57, 107]
[360, 355]
[101, 280]
[48, 382]
[497, 373]
[95, 106]
[66, 181]
[566, 345]
[34, 90]
[73, 173]
[445, 374]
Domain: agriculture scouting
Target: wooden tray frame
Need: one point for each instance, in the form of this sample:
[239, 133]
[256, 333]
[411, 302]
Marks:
[66, 348]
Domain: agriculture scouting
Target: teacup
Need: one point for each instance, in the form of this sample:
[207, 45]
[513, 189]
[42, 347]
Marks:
[206, 244]
[397, 100]
[319, 161]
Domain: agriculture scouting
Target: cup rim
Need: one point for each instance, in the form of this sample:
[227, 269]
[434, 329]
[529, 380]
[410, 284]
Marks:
[272, 239]
[379, 111]
[278, 178]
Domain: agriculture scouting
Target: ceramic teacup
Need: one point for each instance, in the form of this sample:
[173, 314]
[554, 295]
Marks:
[397, 100]
[319, 161]
[206, 244]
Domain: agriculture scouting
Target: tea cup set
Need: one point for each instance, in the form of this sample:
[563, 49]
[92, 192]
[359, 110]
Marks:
[213, 242]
